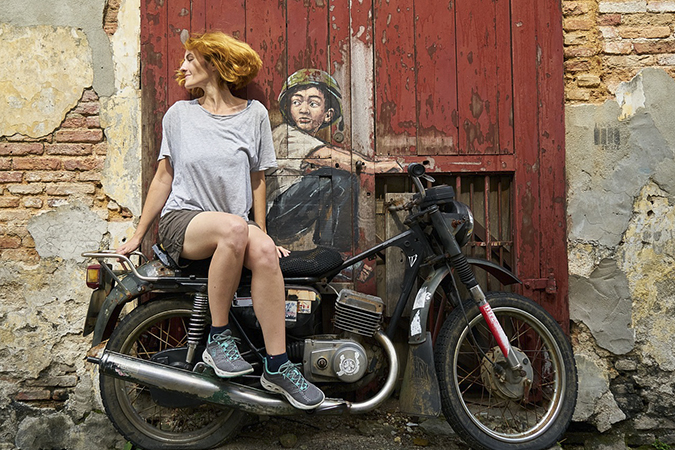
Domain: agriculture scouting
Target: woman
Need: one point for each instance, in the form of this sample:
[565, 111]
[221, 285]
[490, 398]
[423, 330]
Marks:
[214, 152]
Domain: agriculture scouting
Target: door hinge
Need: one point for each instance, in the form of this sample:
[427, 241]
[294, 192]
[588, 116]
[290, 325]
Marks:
[541, 284]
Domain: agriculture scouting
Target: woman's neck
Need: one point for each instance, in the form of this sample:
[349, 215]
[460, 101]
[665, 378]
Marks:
[220, 101]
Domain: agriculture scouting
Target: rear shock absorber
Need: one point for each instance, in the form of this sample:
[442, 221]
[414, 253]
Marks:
[197, 325]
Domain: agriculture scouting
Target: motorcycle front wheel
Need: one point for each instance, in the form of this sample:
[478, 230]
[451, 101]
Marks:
[151, 328]
[492, 406]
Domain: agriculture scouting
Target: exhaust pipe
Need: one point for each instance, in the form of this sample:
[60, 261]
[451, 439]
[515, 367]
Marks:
[233, 395]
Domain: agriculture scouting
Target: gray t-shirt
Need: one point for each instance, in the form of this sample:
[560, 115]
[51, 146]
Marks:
[212, 156]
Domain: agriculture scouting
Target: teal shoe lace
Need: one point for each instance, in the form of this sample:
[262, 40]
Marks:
[229, 346]
[291, 372]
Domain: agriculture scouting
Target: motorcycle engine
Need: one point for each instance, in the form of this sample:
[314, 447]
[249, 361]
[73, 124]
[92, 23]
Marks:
[334, 359]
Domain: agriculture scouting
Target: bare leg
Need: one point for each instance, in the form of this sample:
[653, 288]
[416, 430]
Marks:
[223, 237]
[267, 289]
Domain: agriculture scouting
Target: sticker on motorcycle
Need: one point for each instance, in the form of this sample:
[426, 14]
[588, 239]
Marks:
[291, 311]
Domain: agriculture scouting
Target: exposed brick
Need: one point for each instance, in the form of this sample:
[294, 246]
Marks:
[50, 177]
[89, 95]
[60, 189]
[37, 163]
[611, 20]
[575, 8]
[101, 148]
[629, 6]
[83, 164]
[27, 255]
[21, 148]
[11, 177]
[653, 47]
[577, 65]
[609, 33]
[661, 6]
[74, 121]
[26, 189]
[644, 32]
[93, 122]
[90, 176]
[574, 52]
[9, 202]
[32, 202]
[69, 149]
[28, 242]
[79, 135]
[54, 381]
[5, 163]
[10, 242]
[60, 395]
[631, 61]
[577, 24]
[87, 109]
[588, 80]
[575, 38]
[618, 47]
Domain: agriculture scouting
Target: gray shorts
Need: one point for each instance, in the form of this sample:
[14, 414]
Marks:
[171, 232]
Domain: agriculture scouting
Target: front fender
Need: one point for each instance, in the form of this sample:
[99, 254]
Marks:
[420, 310]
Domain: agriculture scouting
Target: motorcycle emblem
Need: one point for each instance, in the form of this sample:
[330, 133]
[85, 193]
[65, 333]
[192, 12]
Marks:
[412, 260]
[348, 366]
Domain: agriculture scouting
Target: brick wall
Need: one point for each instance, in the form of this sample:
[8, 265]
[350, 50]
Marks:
[41, 174]
[608, 42]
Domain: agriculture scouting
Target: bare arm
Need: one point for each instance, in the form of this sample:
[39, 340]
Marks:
[159, 191]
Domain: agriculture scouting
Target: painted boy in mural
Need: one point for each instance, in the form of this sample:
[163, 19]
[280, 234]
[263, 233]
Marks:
[319, 203]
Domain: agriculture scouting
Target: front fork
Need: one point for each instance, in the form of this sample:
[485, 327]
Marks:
[495, 328]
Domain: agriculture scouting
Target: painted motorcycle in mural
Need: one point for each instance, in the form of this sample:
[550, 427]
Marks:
[499, 369]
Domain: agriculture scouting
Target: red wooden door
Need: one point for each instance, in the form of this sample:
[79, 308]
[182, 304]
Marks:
[473, 89]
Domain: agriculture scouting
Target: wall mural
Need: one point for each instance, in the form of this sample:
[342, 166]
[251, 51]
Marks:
[311, 195]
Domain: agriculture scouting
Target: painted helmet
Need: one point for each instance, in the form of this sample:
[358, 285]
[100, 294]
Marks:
[305, 78]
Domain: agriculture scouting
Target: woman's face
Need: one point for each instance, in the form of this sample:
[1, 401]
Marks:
[308, 110]
[197, 72]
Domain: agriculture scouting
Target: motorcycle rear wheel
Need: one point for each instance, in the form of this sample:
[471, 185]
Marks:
[150, 328]
[494, 407]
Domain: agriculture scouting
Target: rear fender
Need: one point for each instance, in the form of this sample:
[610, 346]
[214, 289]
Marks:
[127, 289]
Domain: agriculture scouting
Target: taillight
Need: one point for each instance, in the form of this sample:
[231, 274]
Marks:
[94, 276]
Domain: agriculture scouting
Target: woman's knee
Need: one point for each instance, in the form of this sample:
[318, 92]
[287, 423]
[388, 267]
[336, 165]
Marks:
[232, 233]
[262, 253]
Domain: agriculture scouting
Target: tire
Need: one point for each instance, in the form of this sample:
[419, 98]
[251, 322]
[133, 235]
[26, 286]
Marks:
[153, 327]
[492, 414]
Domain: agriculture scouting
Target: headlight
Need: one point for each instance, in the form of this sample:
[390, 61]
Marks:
[459, 218]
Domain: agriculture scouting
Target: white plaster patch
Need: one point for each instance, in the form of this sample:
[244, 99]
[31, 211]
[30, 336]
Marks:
[44, 71]
[67, 231]
[630, 96]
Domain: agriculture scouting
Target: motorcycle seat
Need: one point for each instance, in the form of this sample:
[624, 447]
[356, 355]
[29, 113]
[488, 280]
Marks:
[301, 263]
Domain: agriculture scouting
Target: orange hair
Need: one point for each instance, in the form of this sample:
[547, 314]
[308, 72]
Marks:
[236, 62]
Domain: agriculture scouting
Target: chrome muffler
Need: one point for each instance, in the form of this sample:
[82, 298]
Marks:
[233, 395]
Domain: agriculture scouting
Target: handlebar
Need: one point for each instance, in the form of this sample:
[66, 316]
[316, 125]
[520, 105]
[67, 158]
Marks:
[416, 171]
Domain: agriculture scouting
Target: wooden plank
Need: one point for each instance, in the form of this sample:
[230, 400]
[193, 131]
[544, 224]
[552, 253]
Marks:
[395, 78]
[339, 65]
[178, 17]
[198, 17]
[552, 227]
[307, 43]
[478, 60]
[362, 113]
[228, 16]
[436, 68]
[154, 83]
[525, 123]
[266, 34]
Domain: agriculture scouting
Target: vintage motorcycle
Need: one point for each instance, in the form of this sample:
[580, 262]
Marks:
[500, 369]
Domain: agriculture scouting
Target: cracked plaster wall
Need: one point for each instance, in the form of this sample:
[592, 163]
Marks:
[620, 170]
[52, 52]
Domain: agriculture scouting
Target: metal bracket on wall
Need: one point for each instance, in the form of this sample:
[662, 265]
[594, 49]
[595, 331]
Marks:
[538, 284]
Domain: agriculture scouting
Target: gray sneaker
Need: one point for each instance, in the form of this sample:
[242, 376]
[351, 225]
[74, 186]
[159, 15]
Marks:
[223, 356]
[289, 382]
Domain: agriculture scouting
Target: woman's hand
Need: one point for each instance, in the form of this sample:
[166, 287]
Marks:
[282, 252]
[129, 246]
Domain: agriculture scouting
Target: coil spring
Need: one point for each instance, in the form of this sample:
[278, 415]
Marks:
[198, 319]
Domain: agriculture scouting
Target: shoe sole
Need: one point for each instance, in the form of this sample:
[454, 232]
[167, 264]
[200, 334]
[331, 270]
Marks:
[206, 357]
[268, 385]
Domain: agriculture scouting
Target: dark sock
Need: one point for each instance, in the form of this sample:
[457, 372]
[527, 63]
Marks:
[217, 330]
[275, 361]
